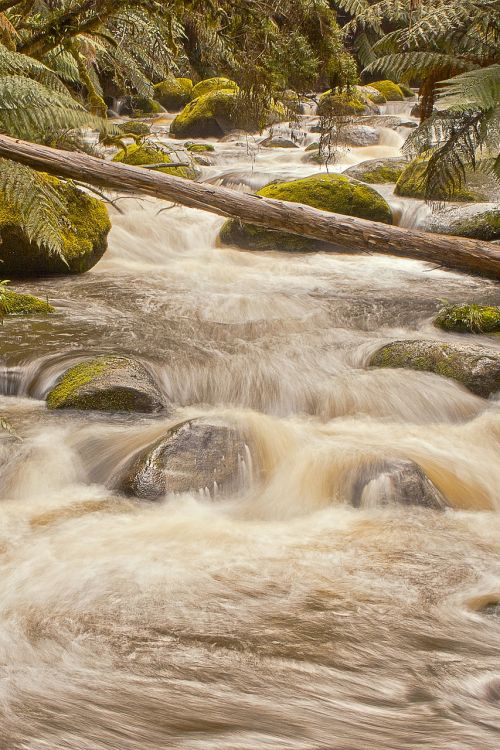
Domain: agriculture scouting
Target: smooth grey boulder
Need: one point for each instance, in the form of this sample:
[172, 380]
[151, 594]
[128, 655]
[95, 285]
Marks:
[110, 383]
[200, 455]
[398, 481]
[480, 221]
[476, 368]
[358, 135]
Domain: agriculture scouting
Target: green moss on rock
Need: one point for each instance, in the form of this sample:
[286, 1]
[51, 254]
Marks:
[199, 148]
[209, 85]
[372, 94]
[411, 184]
[144, 105]
[207, 116]
[469, 319]
[408, 92]
[139, 154]
[479, 221]
[390, 90]
[475, 368]
[14, 303]
[135, 127]
[174, 93]
[341, 104]
[84, 236]
[378, 171]
[328, 192]
[111, 383]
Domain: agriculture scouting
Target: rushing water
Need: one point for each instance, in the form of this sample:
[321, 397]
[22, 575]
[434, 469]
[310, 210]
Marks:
[279, 618]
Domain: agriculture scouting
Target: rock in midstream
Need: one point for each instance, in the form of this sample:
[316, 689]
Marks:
[197, 455]
[395, 482]
[109, 383]
[476, 368]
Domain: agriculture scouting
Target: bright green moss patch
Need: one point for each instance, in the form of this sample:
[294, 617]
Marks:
[13, 303]
[372, 94]
[199, 148]
[327, 192]
[84, 236]
[143, 105]
[469, 319]
[378, 171]
[174, 93]
[207, 116]
[390, 90]
[209, 85]
[75, 378]
[138, 155]
[341, 104]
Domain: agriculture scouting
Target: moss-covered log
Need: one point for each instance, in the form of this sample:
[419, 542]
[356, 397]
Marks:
[472, 256]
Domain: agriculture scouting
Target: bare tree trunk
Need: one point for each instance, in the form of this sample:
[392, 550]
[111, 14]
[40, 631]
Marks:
[457, 253]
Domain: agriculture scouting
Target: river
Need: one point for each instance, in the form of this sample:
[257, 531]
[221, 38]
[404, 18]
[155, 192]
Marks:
[279, 618]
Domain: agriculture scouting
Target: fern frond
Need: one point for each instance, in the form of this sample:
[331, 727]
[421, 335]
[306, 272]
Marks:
[37, 203]
[475, 89]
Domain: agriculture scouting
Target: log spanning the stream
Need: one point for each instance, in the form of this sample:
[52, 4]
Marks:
[457, 253]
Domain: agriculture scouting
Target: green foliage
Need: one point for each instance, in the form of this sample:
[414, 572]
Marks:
[469, 318]
[139, 155]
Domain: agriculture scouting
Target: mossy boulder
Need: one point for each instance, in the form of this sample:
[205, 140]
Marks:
[109, 383]
[174, 93]
[368, 92]
[390, 90]
[411, 184]
[84, 236]
[14, 303]
[479, 221]
[199, 148]
[408, 92]
[378, 171]
[472, 366]
[469, 318]
[393, 482]
[209, 85]
[329, 192]
[140, 154]
[342, 104]
[200, 455]
[216, 114]
[144, 105]
[135, 127]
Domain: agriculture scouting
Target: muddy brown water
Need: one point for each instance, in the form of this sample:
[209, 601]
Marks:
[278, 618]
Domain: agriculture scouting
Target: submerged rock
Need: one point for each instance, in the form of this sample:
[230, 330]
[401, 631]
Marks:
[395, 482]
[84, 236]
[329, 192]
[358, 135]
[139, 154]
[277, 142]
[479, 221]
[109, 383]
[469, 319]
[474, 367]
[13, 303]
[174, 93]
[198, 455]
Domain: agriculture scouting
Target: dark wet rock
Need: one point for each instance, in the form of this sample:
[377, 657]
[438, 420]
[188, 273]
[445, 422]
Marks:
[378, 171]
[278, 142]
[396, 481]
[200, 455]
[476, 368]
[480, 221]
[416, 110]
[110, 383]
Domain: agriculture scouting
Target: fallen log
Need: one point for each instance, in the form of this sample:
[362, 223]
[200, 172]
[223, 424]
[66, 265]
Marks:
[457, 253]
